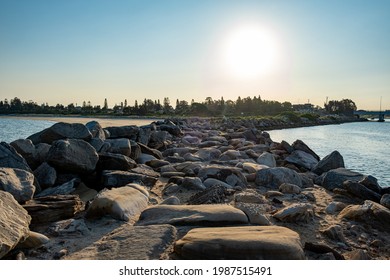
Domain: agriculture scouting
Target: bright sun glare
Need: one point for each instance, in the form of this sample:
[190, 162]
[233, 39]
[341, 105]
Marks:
[250, 52]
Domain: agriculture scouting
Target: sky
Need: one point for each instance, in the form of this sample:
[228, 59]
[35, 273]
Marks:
[72, 51]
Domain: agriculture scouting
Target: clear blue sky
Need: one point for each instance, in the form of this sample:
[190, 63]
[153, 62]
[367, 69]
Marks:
[70, 51]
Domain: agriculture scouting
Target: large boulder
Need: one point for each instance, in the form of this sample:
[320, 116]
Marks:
[332, 161]
[249, 243]
[302, 159]
[274, 177]
[14, 223]
[361, 191]
[27, 150]
[300, 145]
[336, 177]
[60, 131]
[119, 146]
[158, 139]
[213, 214]
[110, 161]
[73, 155]
[18, 182]
[129, 131]
[9, 157]
[96, 130]
[229, 175]
[120, 203]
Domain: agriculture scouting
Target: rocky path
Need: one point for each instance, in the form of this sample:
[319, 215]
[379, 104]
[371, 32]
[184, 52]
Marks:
[184, 189]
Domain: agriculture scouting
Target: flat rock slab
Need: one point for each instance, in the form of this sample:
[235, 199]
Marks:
[251, 242]
[216, 214]
[14, 223]
[130, 243]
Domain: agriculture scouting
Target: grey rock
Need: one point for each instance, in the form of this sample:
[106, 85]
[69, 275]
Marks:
[371, 183]
[300, 145]
[332, 161]
[18, 182]
[144, 134]
[96, 130]
[361, 191]
[213, 195]
[336, 177]
[298, 212]
[210, 182]
[119, 146]
[385, 200]
[192, 183]
[27, 150]
[249, 196]
[116, 178]
[158, 139]
[302, 159]
[334, 207]
[73, 155]
[69, 227]
[129, 131]
[253, 167]
[150, 151]
[135, 150]
[14, 223]
[229, 175]
[207, 154]
[10, 158]
[334, 232]
[41, 152]
[172, 200]
[289, 188]
[66, 188]
[34, 240]
[110, 161]
[274, 177]
[46, 175]
[99, 144]
[157, 163]
[266, 159]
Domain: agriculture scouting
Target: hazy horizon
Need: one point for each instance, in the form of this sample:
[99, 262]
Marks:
[297, 51]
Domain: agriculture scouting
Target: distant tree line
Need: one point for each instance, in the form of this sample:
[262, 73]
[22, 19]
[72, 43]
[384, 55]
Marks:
[241, 107]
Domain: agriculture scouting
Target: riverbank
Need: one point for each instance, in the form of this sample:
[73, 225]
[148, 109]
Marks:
[183, 190]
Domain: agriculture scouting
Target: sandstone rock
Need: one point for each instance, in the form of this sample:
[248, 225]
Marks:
[130, 243]
[300, 145]
[336, 177]
[146, 170]
[46, 175]
[302, 159]
[61, 131]
[289, 188]
[274, 177]
[299, 212]
[192, 215]
[10, 158]
[34, 240]
[129, 131]
[251, 243]
[18, 182]
[14, 223]
[120, 203]
[385, 200]
[229, 175]
[266, 159]
[332, 161]
[73, 155]
[119, 146]
[272, 194]
[361, 191]
[116, 178]
[110, 161]
[53, 208]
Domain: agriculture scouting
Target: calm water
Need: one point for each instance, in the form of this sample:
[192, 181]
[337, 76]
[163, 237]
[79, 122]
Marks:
[364, 146]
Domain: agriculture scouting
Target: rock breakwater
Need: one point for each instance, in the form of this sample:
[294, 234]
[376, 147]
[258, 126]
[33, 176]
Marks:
[184, 189]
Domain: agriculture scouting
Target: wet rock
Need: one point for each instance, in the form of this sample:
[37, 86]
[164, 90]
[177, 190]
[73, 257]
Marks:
[53, 208]
[152, 243]
[361, 191]
[46, 175]
[336, 177]
[300, 145]
[120, 203]
[110, 161]
[61, 131]
[252, 243]
[117, 178]
[274, 177]
[128, 131]
[332, 161]
[14, 223]
[215, 214]
[299, 212]
[73, 155]
[213, 195]
[302, 159]
[385, 200]
[10, 158]
[289, 188]
[18, 182]
[266, 159]
[229, 175]
[119, 146]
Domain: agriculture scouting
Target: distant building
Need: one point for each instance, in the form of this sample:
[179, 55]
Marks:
[305, 108]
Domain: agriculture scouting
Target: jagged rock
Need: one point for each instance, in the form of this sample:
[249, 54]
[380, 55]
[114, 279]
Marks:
[286, 146]
[336, 177]
[332, 161]
[229, 175]
[10, 158]
[96, 130]
[66, 188]
[150, 151]
[53, 208]
[110, 161]
[267, 159]
[73, 155]
[385, 200]
[289, 188]
[46, 175]
[172, 129]
[152, 243]
[299, 212]
[14, 223]
[359, 254]
[274, 177]
[129, 132]
[251, 243]
[116, 178]
[215, 214]
[300, 145]
[302, 159]
[18, 182]
[369, 212]
[120, 203]
[361, 191]
[212, 195]
[61, 131]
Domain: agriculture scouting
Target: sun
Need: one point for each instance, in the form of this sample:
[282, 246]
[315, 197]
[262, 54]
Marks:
[250, 52]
